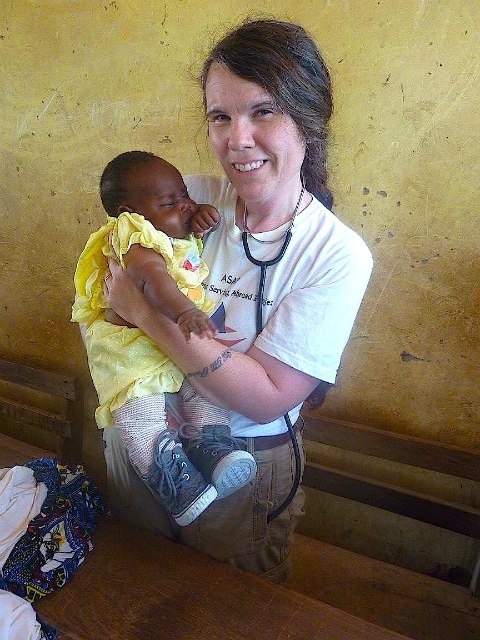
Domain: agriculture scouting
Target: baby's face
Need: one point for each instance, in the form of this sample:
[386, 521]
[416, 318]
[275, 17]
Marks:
[156, 191]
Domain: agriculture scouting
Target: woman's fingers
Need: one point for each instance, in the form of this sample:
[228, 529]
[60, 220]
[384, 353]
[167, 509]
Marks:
[113, 266]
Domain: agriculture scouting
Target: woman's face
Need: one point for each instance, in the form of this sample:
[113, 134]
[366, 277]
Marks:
[259, 147]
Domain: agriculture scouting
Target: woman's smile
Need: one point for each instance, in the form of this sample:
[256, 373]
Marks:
[249, 166]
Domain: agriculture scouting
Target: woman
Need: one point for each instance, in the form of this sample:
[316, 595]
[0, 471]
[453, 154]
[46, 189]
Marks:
[267, 100]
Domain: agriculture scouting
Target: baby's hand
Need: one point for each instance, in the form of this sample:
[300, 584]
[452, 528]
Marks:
[204, 220]
[197, 322]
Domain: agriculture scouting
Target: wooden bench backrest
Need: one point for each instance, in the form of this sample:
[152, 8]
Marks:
[409, 450]
[67, 425]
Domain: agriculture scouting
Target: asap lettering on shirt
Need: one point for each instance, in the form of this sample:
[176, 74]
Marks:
[235, 293]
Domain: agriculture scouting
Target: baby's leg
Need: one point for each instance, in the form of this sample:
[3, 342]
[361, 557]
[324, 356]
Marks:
[143, 426]
[199, 412]
[160, 460]
[207, 440]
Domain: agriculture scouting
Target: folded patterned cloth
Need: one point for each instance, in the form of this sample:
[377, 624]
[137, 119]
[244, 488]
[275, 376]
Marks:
[58, 538]
[21, 499]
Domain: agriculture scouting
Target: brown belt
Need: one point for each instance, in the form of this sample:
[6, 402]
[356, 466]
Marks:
[260, 443]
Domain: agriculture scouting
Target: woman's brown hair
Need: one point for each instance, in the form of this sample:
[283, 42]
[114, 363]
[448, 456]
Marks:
[284, 60]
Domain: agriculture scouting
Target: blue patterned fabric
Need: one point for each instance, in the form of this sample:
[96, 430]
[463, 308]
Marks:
[48, 632]
[58, 539]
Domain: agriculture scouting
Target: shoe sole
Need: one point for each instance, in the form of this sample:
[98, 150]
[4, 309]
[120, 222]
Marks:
[195, 509]
[233, 471]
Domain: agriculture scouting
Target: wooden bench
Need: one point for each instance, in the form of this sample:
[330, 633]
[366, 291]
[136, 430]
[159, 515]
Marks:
[136, 585]
[416, 452]
[23, 421]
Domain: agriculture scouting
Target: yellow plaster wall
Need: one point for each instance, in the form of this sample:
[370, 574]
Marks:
[85, 80]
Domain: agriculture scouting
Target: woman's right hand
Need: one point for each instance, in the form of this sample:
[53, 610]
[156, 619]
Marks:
[122, 295]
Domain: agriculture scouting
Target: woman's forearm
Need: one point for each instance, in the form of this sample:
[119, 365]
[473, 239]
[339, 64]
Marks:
[254, 384]
[262, 391]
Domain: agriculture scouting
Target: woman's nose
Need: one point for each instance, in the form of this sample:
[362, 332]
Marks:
[240, 135]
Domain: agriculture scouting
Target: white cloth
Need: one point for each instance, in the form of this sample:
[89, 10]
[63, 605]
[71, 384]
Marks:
[21, 499]
[18, 620]
[311, 297]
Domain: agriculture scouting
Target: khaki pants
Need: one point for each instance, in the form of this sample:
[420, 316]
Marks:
[232, 530]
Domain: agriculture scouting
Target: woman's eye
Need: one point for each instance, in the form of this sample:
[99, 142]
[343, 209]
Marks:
[264, 112]
[218, 118]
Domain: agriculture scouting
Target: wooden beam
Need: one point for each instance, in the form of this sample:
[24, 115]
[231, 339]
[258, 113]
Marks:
[72, 448]
[14, 452]
[25, 415]
[53, 383]
[454, 517]
[410, 450]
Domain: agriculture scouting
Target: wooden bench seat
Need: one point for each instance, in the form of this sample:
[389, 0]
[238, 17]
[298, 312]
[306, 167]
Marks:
[135, 585]
[64, 424]
[97, 603]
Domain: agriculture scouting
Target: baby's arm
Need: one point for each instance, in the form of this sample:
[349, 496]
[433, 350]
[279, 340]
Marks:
[204, 220]
[148, 270]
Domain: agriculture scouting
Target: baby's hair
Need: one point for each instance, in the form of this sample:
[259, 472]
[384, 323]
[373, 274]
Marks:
[113, 181]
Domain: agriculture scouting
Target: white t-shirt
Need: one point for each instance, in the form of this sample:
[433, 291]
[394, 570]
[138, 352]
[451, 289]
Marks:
[311, 296]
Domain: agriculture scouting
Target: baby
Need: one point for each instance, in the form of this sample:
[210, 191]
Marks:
[149, 232]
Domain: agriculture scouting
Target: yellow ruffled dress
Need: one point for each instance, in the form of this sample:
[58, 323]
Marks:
[124, 362]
